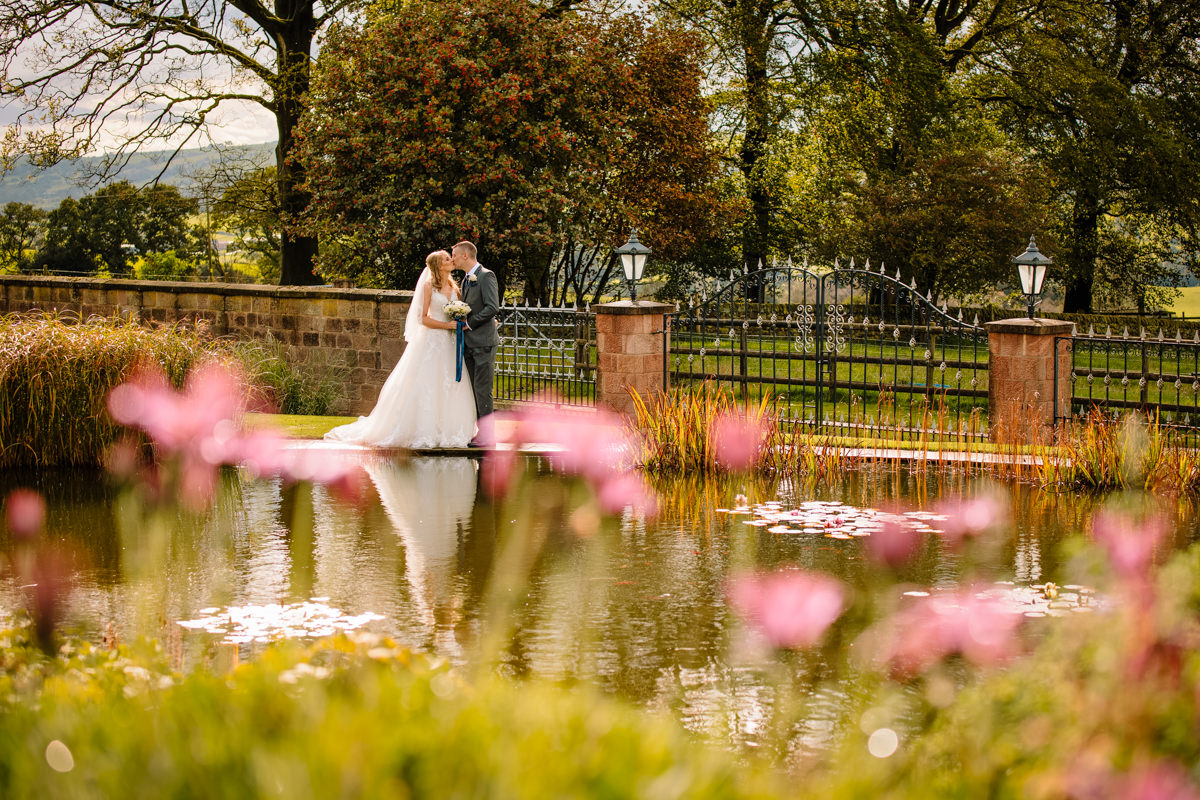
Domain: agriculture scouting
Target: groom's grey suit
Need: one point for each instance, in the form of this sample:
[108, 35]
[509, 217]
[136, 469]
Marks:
[481, 291]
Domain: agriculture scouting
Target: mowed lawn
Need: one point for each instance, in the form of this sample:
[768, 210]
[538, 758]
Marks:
[1188, 303]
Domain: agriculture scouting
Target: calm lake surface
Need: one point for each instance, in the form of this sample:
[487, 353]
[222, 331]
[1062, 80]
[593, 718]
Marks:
[537, 580]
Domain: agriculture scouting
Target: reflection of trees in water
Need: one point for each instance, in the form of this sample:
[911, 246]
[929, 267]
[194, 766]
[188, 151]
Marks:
[429, 502]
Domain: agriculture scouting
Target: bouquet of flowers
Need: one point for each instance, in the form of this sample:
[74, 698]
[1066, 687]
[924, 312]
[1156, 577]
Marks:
[457, 310]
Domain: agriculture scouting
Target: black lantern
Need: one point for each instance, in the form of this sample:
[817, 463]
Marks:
[633, 259]
[1031, 265]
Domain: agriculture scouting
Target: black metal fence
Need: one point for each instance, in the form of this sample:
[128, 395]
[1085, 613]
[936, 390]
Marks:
[848, 348]
[1156, 374]
[546, 354]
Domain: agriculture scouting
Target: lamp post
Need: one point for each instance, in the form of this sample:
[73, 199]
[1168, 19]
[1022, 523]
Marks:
[1031, 265]
[633, 259]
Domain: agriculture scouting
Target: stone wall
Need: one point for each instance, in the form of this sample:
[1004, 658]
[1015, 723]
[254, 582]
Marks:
[358, 334]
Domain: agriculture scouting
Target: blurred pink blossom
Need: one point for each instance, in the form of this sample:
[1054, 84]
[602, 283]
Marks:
[26, 512]
[790, 609]
[1157, 779]
[895, 544]
[623, 490]
[1130, 545]
[200, 429]
[593, 445]
[736, 441]
[980, 628]
[970, 517]
[497, 472]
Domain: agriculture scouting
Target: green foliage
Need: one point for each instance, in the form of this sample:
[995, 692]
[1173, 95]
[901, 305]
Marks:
[1101, 94]
[575, 128]
[249, 209]
[166, 266]
[22, 227]
[107, 228]
[290, 389]
[361, 717]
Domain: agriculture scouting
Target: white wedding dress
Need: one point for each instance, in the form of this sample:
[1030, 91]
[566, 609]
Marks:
[421, 405]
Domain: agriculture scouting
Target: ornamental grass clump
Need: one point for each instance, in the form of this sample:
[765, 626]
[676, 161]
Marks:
[706, 430]
[1132, 453]
[55, 377]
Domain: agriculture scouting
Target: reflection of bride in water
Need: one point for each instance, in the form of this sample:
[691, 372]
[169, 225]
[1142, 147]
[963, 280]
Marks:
[429, 502]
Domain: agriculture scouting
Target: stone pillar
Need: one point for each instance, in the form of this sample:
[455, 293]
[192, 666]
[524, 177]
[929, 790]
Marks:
[630, 341]
[1021, 378]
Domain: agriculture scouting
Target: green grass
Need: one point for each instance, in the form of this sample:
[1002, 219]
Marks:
[1188, 302]
[298, 426]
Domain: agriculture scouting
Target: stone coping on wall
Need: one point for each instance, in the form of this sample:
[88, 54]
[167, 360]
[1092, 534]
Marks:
[197, 287]
[632, 307]
[1039, 326]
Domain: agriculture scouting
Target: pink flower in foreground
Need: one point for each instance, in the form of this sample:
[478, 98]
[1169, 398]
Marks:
[1130, 545]
[1146, 780]
[982, 629]
[970, 517]
[26, 513]
[790, 609]
[895, 544]
[593, 445]
[736, 441]
[201, 428]
[623, 490]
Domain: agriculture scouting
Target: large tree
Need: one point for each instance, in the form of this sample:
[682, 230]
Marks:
[753, 48]
[138, 73]
[423, 130]
[107, 228]
[21, 228]
[1105, 94]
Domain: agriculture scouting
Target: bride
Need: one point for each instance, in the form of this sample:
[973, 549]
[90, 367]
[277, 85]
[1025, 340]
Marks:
[421, 405]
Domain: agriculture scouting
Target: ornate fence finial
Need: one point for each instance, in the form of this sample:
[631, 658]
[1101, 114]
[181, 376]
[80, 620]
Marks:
[851, 262]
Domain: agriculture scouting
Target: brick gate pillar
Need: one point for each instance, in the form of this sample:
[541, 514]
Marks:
[630, 341]
[1021, 378]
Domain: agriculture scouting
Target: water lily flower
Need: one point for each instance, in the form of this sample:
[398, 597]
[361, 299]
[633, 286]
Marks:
[790, 609]
[980, 628]
[26, 513]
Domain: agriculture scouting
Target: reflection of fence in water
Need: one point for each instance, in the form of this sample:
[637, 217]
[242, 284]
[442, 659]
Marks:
[1157, 374]
[546, 351]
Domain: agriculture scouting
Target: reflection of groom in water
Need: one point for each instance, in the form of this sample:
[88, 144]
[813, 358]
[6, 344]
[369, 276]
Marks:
[481, 292]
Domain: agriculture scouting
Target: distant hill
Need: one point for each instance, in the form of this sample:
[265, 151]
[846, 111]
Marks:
[48, 188]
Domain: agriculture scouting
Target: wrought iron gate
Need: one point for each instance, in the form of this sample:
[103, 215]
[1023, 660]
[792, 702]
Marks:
[546, 353]
[844, 348]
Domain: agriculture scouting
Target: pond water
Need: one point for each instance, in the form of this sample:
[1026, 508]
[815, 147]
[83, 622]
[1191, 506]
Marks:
[537, 581]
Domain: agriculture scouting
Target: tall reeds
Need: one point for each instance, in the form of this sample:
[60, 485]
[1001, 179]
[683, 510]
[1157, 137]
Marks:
[705, 430]
[55, 376]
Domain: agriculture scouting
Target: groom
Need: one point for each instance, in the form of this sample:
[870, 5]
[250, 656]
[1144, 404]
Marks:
[481, 292]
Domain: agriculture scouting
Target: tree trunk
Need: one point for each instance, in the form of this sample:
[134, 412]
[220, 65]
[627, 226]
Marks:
[294, 42]
[757, 230]
[1084, 248]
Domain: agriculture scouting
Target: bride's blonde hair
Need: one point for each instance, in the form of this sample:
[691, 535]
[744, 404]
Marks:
[435, 273]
